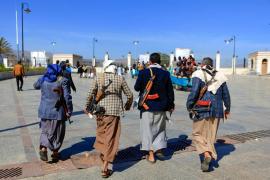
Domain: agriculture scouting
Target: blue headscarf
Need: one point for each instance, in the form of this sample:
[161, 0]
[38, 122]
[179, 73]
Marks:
[53, 71]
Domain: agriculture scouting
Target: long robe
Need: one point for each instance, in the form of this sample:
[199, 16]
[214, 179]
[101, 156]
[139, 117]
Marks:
[153, 131]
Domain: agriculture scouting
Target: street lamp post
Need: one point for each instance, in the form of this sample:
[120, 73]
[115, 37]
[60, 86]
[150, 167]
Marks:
[17, 36]
[136, 47]
[232, 39]
[24, 8]
[94, 42]
[94, 58]
[53, 43]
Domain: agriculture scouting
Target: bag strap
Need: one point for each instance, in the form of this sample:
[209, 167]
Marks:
[102, 82]
[207, 83]
[205, 77]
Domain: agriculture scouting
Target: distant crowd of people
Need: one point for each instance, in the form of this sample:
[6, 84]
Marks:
[86, 71]
[184, 67]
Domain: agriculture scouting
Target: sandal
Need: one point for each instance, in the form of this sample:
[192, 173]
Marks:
[55, 157]
[152, 162]
[160, 156]
[106, 174]
[43, 155]
[205, 164]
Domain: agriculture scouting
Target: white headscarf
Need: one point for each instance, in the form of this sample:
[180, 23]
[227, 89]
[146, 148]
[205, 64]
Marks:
[109, 67]
[218, 80]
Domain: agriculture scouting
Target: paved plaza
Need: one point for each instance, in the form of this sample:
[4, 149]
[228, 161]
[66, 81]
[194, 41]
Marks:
[19, 135]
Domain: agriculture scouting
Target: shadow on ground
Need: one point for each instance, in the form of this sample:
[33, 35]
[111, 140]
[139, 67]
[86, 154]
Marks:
[222, 151]
[132, 155]
[84, 146]
[18, 127]
[128, 157]
[77, 113]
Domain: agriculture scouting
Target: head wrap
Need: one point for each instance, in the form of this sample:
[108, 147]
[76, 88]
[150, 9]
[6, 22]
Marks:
[208, 62]
[53, 71]
[109, 66]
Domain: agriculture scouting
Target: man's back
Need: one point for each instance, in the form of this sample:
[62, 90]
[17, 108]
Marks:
[112, 102]
[18, 70]
[162, 86]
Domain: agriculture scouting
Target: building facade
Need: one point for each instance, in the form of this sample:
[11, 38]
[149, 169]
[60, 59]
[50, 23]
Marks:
[258, 62]
[39, 58]
[72, 58]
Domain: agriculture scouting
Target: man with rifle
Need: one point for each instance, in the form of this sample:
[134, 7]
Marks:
[54, 109]
[156, 97]
[105, 101]
[205, 103]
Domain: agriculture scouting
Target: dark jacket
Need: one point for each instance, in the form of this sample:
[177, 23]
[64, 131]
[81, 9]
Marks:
[216, 110]
[162, 85]
[49, 98]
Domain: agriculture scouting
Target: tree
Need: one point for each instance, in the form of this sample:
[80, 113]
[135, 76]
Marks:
[165, 59]
[5, 47]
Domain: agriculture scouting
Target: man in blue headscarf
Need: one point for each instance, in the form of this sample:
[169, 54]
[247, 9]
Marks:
[54, 109]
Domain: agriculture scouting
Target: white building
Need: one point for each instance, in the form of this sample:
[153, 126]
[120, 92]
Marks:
[258, 62]
[144, 58]
[39, 58]
[72, 58]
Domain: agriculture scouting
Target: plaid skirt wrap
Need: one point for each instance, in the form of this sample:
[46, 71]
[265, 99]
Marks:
[112, 102]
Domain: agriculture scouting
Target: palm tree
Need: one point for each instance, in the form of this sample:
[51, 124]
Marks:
[5, 47]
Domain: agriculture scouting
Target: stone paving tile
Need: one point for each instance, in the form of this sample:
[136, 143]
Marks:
[11, 150]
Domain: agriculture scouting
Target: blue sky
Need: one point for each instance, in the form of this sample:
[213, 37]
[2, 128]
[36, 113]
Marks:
[159, 25]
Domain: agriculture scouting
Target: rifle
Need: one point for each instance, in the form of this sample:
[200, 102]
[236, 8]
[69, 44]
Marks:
[146, 91]
[93, 107]
[62, 102]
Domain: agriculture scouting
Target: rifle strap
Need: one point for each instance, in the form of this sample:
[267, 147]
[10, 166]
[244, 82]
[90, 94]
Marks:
[151, 72]
[204, 89]
[205, 77]
[102, 82]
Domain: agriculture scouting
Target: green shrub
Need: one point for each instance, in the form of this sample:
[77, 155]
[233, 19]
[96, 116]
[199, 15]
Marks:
[41, 69]
[3, 69]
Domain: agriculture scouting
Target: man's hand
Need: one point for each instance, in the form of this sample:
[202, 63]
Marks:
[226, 114]
[171, 111]
[85, 111]
[68, 115]
[127, 107]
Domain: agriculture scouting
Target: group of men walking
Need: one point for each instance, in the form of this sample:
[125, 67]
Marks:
[205, 105]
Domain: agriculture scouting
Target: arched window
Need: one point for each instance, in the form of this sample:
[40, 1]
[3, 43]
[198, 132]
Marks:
[264, 66]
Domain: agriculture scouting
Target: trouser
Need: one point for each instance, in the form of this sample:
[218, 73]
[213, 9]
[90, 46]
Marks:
[204, 135]
[18, 80]
[52, 133]
[108, 135]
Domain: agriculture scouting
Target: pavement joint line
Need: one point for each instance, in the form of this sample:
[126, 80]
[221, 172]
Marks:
[28, 146]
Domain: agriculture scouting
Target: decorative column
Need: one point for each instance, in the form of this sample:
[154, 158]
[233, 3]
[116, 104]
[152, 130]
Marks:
[106, 57]
[129, 58]
[218, 61]
[94, 62]
[5, 62]
[234, 65]
[171, 59]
